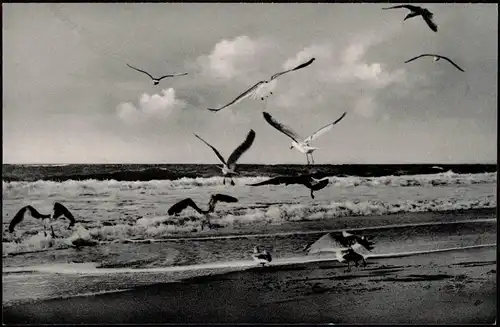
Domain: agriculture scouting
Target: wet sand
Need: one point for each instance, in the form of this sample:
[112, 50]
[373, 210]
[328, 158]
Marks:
[454, 287]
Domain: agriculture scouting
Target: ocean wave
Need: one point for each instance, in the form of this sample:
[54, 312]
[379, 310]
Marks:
[156, 228]
[97, 187]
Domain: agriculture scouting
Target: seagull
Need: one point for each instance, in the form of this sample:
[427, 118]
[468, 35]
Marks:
[307, 180]
[188, 202]
[228, 168]
[262, 257]
[35, 214]
[418, 11]
[436, 58]
[343, 245]
[157, 80]
[304, 146]
[256, 89]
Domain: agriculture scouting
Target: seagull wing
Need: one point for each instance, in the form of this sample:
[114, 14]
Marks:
[450, 61]
[280, 127]
[60, 210]
[172, 75]
[224, 198]
[240, 97]
[326, 243]
[142, 71]
[410, 7]
[430, 22]
[219, 197]
[323, 129]
[422, 55]
[214, 149]
[17, 218]
[296, 68]
[183, 204]
[242, 148]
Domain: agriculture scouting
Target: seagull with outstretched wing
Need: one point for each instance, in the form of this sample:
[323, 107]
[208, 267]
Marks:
[436, 58]
[343, 244]
[260, 86]
[305, 145]
[418, 11]
[307, 180]
[188, 202]
[229, 167]
[156, 80]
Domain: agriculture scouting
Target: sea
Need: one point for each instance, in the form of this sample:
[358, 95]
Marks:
[123, 207]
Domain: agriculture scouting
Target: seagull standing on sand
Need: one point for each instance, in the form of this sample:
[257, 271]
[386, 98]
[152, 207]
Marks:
[307, 180]
[157, 80]
[188, 202]
[436, 58]
[304, 146]
[258, 88]
[262, 257]
[418, 11]
[228, 168]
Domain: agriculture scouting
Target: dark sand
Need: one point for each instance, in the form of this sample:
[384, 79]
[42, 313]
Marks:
[456, 287]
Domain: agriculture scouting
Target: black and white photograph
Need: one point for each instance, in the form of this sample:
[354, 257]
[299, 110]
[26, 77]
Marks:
[249, 163]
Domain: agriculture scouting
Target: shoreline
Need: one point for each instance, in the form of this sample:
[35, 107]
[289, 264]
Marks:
[444, 287]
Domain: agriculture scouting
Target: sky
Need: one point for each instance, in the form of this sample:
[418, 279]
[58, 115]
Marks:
[69, 97]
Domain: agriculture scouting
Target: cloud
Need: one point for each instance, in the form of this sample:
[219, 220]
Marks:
[344, 71]
[150, 106]
[231, 58]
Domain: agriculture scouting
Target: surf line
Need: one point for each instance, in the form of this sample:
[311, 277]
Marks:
[209, 238]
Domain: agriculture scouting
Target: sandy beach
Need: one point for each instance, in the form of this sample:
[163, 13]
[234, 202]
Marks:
[453, 287]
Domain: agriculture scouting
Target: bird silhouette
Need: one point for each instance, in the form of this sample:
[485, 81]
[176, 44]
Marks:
[418, 11]
[256, 89]
[308, 181]
[188, 202]
[436, 58]
[157, 80]
[229, 168]
[305, 145]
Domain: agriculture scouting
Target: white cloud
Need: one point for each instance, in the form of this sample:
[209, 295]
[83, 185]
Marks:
[150, 106]
[339, 72]
[231, 58]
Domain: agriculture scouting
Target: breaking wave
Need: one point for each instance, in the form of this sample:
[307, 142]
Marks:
[97, 187]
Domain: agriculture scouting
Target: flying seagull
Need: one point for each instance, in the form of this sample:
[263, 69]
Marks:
[34, 213]
[262, 257]
[188, 202]
[258, 87]
[436, 58]
[418, 11]
[228, 168]
[304, 146]
[306, 180]
[343, 245]
[157, 80]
